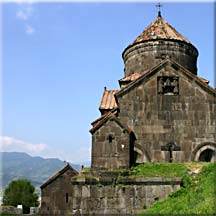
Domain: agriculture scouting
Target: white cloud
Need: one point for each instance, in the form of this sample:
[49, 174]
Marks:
[29, 29]
[13, 144]
[21, 15]
[24, 12]
[81, 155]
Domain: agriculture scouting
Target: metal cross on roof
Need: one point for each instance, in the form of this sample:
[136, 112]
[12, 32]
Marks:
[159, 6]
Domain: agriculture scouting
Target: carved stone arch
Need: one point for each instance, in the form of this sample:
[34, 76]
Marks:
[141, 155]
[205, 150]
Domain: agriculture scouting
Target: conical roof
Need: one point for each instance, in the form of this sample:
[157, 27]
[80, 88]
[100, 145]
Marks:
[159, 29]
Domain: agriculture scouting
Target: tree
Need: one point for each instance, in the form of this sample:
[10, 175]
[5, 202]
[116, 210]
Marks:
[20, 192]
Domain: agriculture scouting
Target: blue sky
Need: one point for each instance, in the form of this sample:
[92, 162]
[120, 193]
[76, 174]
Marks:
[57, 58]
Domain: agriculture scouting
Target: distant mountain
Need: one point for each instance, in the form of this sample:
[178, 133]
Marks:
[21, 165]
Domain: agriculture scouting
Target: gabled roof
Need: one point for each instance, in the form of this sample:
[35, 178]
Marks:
[107, 117]
[135, 76]
[59, 173]
[130, 78]
[108, 100]
[159, 29]
[155, 69]
[113, 111]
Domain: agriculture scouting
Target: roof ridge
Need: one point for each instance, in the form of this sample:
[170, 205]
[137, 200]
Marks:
[58, 173]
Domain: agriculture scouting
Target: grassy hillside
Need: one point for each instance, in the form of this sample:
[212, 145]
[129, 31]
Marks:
[197, 195]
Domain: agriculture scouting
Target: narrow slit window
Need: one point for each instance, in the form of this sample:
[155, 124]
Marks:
[66, 197]
[110, 138]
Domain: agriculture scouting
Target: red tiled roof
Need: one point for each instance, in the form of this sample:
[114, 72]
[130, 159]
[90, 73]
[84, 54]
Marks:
[108, 101]
[160, 29]
[132, 77]
[56, 175]
[203, 80]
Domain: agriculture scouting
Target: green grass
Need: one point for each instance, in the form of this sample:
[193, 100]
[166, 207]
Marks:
[167, 170]
[197, 196]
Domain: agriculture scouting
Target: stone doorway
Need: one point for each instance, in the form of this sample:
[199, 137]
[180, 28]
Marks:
[205, 152]
[207, 155]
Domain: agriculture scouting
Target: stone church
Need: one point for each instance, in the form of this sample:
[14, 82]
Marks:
[162, 112]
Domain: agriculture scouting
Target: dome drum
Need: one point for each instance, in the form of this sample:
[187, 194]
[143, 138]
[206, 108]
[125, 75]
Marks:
[145, 55]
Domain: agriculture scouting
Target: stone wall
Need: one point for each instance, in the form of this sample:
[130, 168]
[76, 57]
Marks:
[56, 194]
[106, 196]
[111, 147]
[10, 210]
[187, 119]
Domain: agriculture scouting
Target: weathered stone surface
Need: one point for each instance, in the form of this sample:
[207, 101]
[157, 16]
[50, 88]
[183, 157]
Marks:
[111, 147]
[123, 196]
[10, 210]
[57, 194]
[182, 119]
[144, 56]
[186, 118]
[113, 199]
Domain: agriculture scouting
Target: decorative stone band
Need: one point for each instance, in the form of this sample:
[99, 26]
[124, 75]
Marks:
[126, 181]
[151, 181]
